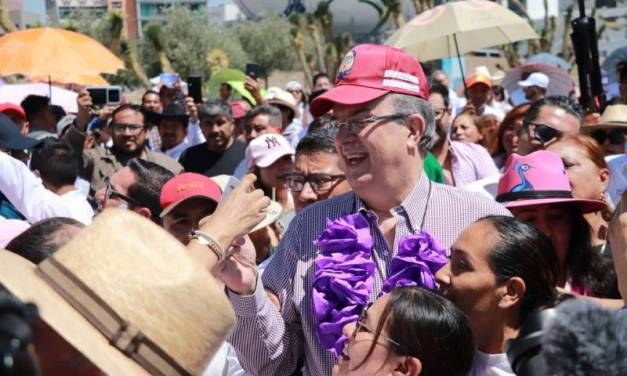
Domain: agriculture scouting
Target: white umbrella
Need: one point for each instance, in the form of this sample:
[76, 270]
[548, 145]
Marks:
[15, 93]
[560, 82]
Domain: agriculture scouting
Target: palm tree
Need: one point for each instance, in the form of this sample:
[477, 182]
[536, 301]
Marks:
[314, 31]
[154, 36]
[5, 21]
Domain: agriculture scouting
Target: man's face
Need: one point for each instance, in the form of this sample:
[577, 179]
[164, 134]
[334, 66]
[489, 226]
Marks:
[532, 93]
[172, 133]
[225, 91]
[322, 83]
[152, 103]
[218, 131]
[274, 175]
[321, 166]
[185, 218]
[479, 94]
[129, 133]
[167, 96]
[442, 114]
[260, 125]
[553, 117]
[373, 154]
[120, 182]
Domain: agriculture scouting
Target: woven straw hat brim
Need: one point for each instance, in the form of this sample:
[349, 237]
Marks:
[20, 277]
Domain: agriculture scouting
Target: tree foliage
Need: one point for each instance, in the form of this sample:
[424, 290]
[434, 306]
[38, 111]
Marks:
[268, 43]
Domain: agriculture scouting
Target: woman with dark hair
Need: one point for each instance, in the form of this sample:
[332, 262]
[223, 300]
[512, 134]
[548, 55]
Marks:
[536, 189]
[589, 178]
[500, 270]
[504, 146]
[409, 331]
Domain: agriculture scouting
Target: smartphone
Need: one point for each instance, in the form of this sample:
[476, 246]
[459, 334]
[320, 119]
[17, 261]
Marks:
[253, 70]
[107, 95]
[194, 88]
[168, 79]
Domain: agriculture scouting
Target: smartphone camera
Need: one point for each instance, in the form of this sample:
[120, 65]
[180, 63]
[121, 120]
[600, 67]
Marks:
[108, 95]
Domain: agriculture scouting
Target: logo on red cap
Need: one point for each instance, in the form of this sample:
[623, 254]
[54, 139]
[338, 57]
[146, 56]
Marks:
[346, 66]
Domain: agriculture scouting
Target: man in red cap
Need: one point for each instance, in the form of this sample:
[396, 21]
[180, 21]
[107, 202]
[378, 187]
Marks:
[17, 115]
[479, 95]
[185, 200]
[383, 127]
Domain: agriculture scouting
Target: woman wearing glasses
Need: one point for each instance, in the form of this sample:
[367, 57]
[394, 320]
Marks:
[409, 331]
[501, 269]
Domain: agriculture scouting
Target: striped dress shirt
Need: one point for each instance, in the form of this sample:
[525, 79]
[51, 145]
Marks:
[271, 341]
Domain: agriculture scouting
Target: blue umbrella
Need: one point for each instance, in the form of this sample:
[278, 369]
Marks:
[617, 56]
[549, 59]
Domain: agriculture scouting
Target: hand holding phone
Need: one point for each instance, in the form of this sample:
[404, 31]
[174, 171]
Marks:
[253, 70]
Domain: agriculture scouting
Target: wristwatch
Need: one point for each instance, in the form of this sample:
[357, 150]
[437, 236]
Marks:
[210, 242]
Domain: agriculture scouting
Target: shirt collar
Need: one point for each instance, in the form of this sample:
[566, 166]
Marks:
[413, 206]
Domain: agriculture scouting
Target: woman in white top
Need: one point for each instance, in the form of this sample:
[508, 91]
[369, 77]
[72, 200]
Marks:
[501, 269]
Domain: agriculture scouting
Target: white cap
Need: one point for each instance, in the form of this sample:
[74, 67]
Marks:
[536, 79]
[294, 85]
[267, 149]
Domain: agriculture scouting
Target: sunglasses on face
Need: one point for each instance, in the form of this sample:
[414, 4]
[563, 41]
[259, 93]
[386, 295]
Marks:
[615, 136]
[542, 132]
[111, 192]
[319, 182]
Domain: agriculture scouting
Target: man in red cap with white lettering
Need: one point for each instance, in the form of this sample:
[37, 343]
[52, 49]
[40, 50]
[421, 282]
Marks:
[185, 200]
[383, 126]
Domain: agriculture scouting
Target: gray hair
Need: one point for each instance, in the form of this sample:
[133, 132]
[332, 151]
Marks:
[409, 105]
[265, 109]
[215, 107]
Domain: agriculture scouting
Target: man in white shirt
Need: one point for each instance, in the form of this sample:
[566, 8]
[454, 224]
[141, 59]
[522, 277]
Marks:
[55, 194]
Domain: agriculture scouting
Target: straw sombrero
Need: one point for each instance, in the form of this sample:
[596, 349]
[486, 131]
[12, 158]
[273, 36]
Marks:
[125, 294]
[614, 116]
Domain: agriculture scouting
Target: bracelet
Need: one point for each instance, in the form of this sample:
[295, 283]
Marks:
[209, 241]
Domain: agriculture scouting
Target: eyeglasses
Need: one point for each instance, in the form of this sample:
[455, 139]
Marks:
[319, 182]
[542, 132]
[615, 136]
[356, 125]
[111, 192]
[361, 326]
[123, 128]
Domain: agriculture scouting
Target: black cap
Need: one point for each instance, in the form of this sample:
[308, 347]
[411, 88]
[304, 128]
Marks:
[11, 138]
[172, 111]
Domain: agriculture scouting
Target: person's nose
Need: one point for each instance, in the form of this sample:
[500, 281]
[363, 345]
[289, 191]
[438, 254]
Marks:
[348, 330]
[443, 276]
[307, 193]
[544, 226]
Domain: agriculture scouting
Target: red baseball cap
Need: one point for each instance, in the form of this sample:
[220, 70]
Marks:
[186, 186]
[368, 72]
[12, 108]
[478, 78]
[239, 109]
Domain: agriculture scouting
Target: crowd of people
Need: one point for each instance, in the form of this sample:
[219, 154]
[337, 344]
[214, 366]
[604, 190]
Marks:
[385, 224]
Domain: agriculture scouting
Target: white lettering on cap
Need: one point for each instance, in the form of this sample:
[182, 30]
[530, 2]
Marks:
[401, 80]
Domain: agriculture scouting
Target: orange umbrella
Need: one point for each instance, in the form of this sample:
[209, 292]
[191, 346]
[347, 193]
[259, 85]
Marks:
[54, 52]
[78, 79]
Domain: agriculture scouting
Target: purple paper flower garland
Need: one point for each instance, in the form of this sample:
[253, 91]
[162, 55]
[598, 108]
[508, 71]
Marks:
[344, 273]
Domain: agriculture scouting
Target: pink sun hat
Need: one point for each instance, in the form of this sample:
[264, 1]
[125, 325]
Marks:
[368, 72]
[538, 179]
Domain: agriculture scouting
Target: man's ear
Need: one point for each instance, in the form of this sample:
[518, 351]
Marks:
[416, 125]
[144, 212]
[512, 292]
[408, 366]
